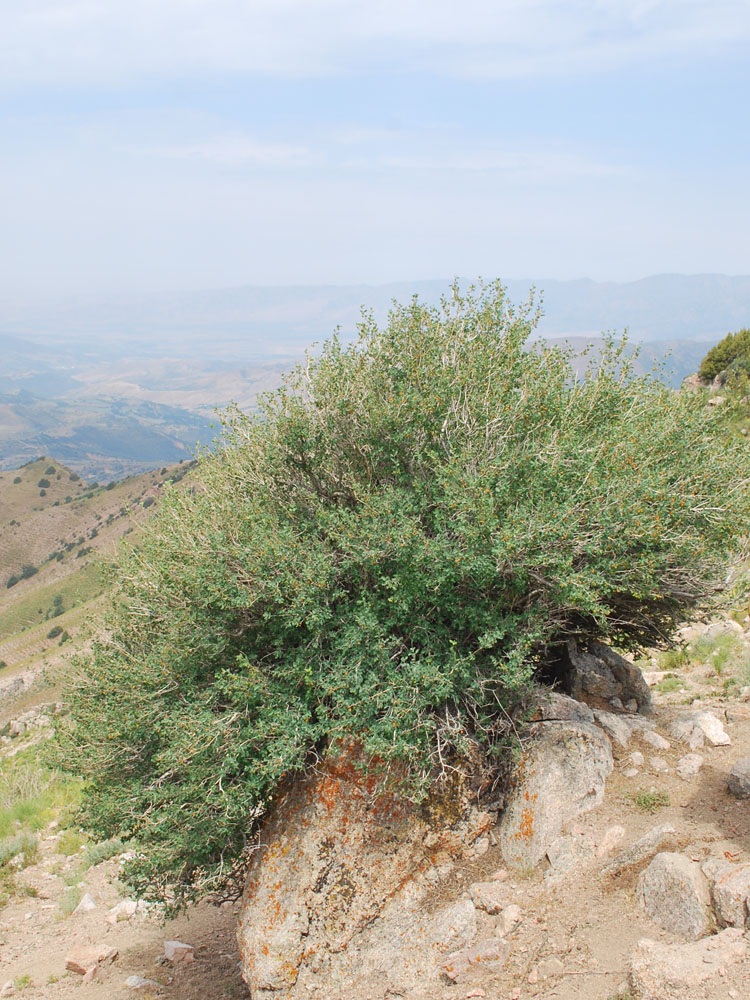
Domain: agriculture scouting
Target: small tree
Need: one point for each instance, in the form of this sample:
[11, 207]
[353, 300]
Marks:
[735, 347]
[387, 552]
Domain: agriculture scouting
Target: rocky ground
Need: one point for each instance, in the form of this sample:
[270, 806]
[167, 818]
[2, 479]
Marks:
[645, 895]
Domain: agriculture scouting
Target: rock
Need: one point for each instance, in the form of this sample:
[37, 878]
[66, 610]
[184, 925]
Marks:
[508, 920]
[674, 893]
[487, 957]
[597, 670]
[569, 852]
[140, 983]
[561, 775]
[655, 740]
[454, 927]
[634, 858]
[178, 951]
[557, 707]
[689, 765]
[91, 974]
[659, 970]
[617, 730]
[631, 772]
[739, 778]
[731, 896]
[727, 627]
[8, 989]
[737, 713]
[637, 759]
[550, 967]
[83, 957]
[86, 905]
[489, 896]
[631, 706]
[609, 840]
[124, 910]
[337, 885]
[711, 728]
[659, 764]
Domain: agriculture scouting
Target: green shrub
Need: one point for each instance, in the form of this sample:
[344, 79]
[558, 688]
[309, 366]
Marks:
[387, 552]
[12, 581]
[735, 347]
[54, 632]
[43, 484]
[17, 480]
[148, 502]
[50, 470]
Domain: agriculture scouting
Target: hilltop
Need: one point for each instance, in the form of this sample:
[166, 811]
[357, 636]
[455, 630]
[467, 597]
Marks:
[55, 531]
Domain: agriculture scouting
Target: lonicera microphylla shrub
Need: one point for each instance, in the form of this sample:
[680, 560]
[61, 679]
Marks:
[387, 552]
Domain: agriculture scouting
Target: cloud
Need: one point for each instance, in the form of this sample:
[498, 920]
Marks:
[242, 150]
[116, 42]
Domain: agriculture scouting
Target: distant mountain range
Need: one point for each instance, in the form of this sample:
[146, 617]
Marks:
[117, 386]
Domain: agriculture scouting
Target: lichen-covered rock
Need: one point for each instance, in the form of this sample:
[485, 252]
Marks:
[561, 775]
[674, 892]
[336, 887]
[598, 671]
[556, 707]
[658, 970]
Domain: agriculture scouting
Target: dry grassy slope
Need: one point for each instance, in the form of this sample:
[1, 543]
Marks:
[64, 592]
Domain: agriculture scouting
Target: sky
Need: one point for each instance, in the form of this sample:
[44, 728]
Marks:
[151, 145]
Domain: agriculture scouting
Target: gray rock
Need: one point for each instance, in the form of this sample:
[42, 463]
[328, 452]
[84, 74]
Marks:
[489, 896]
[655, 740]
[556, 707]
[454, 927]
[659, 764]
[617, 730]
[731, 896]
[689, 765]
[739, 778]
[550, 967]
[635, 857]
[637, 759]
[487, 957]
[569, 852]
[597, 670]
[712, 729]
[561, 775]
[140, 983]
[508, 920]
[674, 893]
[658, 970]
[86, 905]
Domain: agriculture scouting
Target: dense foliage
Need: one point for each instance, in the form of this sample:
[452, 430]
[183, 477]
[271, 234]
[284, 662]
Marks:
[731, 353]
[388, 551]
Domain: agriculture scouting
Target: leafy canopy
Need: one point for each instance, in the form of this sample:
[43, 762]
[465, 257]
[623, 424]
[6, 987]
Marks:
[387, 551]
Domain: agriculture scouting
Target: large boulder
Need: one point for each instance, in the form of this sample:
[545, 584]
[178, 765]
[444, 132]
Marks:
[659, 971]
[335, 891]
[674, 892]
[597, 671]
[561, 775]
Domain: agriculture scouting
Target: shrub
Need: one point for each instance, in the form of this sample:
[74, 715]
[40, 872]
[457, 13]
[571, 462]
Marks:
[54, 632]
[148, 502]
[73, 477]
[12, 581]
[733, 349]
[43, 483]
[17, 480]
[42, 493]
[27, 571]
[50, 470]
[387, 552]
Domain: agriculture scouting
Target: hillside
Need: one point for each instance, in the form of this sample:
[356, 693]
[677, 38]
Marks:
[53, 540]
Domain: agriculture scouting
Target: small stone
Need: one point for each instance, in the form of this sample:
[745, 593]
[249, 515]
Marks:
[82, 957]
[637, 759]
[610, 839]
[508, 920]
[533, 977]
[178, 951]
[739, 778]
[617, 730]
[475, 993]
[631, 772]
[91, 974]
[550, 967]
[480, 847]
[655, 740]
[86, 905]
[712, 729]
[489, 896]
[689, 765]
[731, 896]
[140, 983]
[659, 764]
[8, 989]
[500, 875]
[631, 705]
[485, 957]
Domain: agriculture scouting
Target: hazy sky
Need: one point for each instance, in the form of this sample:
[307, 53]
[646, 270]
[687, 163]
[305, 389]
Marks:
[155, 144]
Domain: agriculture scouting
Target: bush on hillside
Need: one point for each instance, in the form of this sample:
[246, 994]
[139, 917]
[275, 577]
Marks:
[732, 351]
[387, 552]
[43, 484]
